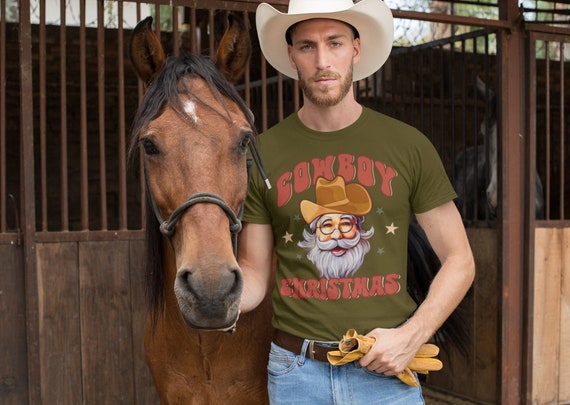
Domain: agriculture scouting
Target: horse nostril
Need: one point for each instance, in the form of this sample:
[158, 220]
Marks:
[225, 282]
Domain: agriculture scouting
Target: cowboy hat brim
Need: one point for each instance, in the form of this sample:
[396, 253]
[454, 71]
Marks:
[372, 18]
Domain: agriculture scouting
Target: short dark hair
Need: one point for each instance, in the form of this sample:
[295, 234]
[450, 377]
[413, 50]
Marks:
[292, 28]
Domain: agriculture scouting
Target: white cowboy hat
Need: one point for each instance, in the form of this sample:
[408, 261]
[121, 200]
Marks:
[372, 19]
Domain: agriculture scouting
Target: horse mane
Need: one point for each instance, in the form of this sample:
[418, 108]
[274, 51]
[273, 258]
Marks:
[165, 90]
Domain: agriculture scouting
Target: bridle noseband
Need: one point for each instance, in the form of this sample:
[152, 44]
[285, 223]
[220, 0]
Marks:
[168, 227]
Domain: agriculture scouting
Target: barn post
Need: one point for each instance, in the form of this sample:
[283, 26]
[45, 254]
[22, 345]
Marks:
[512, 338]
[27, 193]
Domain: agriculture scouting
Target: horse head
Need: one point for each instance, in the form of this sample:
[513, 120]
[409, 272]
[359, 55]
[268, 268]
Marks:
[194, 131]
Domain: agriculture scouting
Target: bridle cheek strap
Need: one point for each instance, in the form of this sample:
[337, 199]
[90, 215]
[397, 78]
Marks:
[168, 227]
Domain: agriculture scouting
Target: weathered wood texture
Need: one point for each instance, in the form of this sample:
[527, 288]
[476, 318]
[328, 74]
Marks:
[477, 376]
[91, 313]
[13, 351]
[551, 317]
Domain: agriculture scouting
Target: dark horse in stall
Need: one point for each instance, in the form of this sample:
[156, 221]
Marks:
[476, 176]
[194, 132]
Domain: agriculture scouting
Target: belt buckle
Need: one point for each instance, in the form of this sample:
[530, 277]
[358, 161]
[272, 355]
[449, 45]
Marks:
[312, 349]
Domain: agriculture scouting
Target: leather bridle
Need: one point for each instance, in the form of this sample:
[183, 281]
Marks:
[168, 227]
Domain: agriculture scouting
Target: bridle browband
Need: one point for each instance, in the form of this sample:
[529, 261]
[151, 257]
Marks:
[168, 227]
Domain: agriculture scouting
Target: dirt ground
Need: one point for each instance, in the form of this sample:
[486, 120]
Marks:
[435, 397]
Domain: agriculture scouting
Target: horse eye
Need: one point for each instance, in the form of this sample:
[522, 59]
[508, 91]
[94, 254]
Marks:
[246, 138]
[149, 147]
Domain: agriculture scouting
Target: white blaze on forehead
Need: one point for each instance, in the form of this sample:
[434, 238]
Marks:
[190, 109]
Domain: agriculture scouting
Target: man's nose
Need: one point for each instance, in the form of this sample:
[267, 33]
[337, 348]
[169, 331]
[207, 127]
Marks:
[322, 58]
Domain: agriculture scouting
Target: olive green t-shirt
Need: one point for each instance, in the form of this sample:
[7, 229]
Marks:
[361, 183]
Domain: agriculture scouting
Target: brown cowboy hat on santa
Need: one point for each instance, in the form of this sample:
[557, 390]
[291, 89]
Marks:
[336, 197]
[372, 19]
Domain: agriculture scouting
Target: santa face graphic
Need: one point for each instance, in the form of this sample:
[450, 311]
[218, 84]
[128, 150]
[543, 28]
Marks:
[337, 244]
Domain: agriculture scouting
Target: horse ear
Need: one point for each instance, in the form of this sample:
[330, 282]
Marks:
[234, 50]
[147, 55]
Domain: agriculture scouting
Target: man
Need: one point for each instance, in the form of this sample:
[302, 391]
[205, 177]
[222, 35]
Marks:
[335, 164]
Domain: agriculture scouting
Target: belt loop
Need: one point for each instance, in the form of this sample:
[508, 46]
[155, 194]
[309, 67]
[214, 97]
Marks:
[302, 355]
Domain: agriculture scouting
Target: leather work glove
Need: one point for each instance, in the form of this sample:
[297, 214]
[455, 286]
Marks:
[353, 346]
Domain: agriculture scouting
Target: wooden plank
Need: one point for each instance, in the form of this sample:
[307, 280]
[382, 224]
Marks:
[564, 373]
[13, 349]
[476, 377]
[546, 315]
[59, 328]
[145, 392]
[106, 329]
[485, 245]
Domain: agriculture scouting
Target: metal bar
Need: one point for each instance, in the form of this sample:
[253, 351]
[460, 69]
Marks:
[83, 155]
[562, 137]
[101, 110]
[64, 187]
[28, 211]
[43, 119]
[193, 43]
[548, 130]
[451, 19]
[527, 372]
[247, 76]
[511, 206]
[547, 29]
[142, 185]
[123, 221]
[3, 195]
[211, 37]
[175, 33]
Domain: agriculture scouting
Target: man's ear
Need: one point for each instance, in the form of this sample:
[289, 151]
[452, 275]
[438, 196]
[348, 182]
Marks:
[289, 52]
[356, 52]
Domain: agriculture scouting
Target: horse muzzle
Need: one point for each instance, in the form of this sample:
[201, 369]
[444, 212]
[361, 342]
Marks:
[209, 298]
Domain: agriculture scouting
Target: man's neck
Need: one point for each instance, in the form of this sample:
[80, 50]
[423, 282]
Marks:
[328, 119]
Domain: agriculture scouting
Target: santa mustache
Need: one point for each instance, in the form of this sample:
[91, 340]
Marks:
[343, 243]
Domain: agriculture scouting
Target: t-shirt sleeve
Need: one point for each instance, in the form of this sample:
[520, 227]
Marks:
[433, 187]
[255, 210]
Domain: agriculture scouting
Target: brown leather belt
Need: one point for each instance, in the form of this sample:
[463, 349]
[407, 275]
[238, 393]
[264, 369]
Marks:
[316, 350]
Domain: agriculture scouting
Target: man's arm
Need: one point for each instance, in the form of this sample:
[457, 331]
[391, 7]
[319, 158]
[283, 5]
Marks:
[395, 348]
[255, 257]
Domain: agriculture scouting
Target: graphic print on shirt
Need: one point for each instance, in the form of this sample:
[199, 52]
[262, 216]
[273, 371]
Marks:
[339, 236]
[336, 242]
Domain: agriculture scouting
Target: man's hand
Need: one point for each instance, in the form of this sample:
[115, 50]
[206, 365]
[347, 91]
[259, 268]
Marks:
[393, 351]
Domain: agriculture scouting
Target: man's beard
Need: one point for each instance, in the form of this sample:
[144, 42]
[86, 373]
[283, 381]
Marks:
[327, 99]
[332, 266]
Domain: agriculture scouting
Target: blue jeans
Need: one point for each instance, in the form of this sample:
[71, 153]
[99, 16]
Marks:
[295, 379]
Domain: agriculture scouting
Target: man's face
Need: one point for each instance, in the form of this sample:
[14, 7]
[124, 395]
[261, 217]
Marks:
[323, 52]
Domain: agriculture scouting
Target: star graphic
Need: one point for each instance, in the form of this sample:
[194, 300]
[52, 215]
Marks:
[380, 251]
[288, 237]
[391, 229]
[296, 218]
[380, 211]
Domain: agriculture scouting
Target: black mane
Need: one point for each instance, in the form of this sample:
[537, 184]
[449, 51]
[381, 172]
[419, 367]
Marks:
[166, 89]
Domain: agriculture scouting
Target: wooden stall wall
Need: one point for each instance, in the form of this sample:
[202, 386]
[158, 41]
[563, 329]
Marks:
[551, 317]
[91, 318]
[13, 356]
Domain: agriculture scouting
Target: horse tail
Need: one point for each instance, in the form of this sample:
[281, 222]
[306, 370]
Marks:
[423, 266]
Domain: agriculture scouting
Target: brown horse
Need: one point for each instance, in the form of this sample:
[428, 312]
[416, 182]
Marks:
[194, 131]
